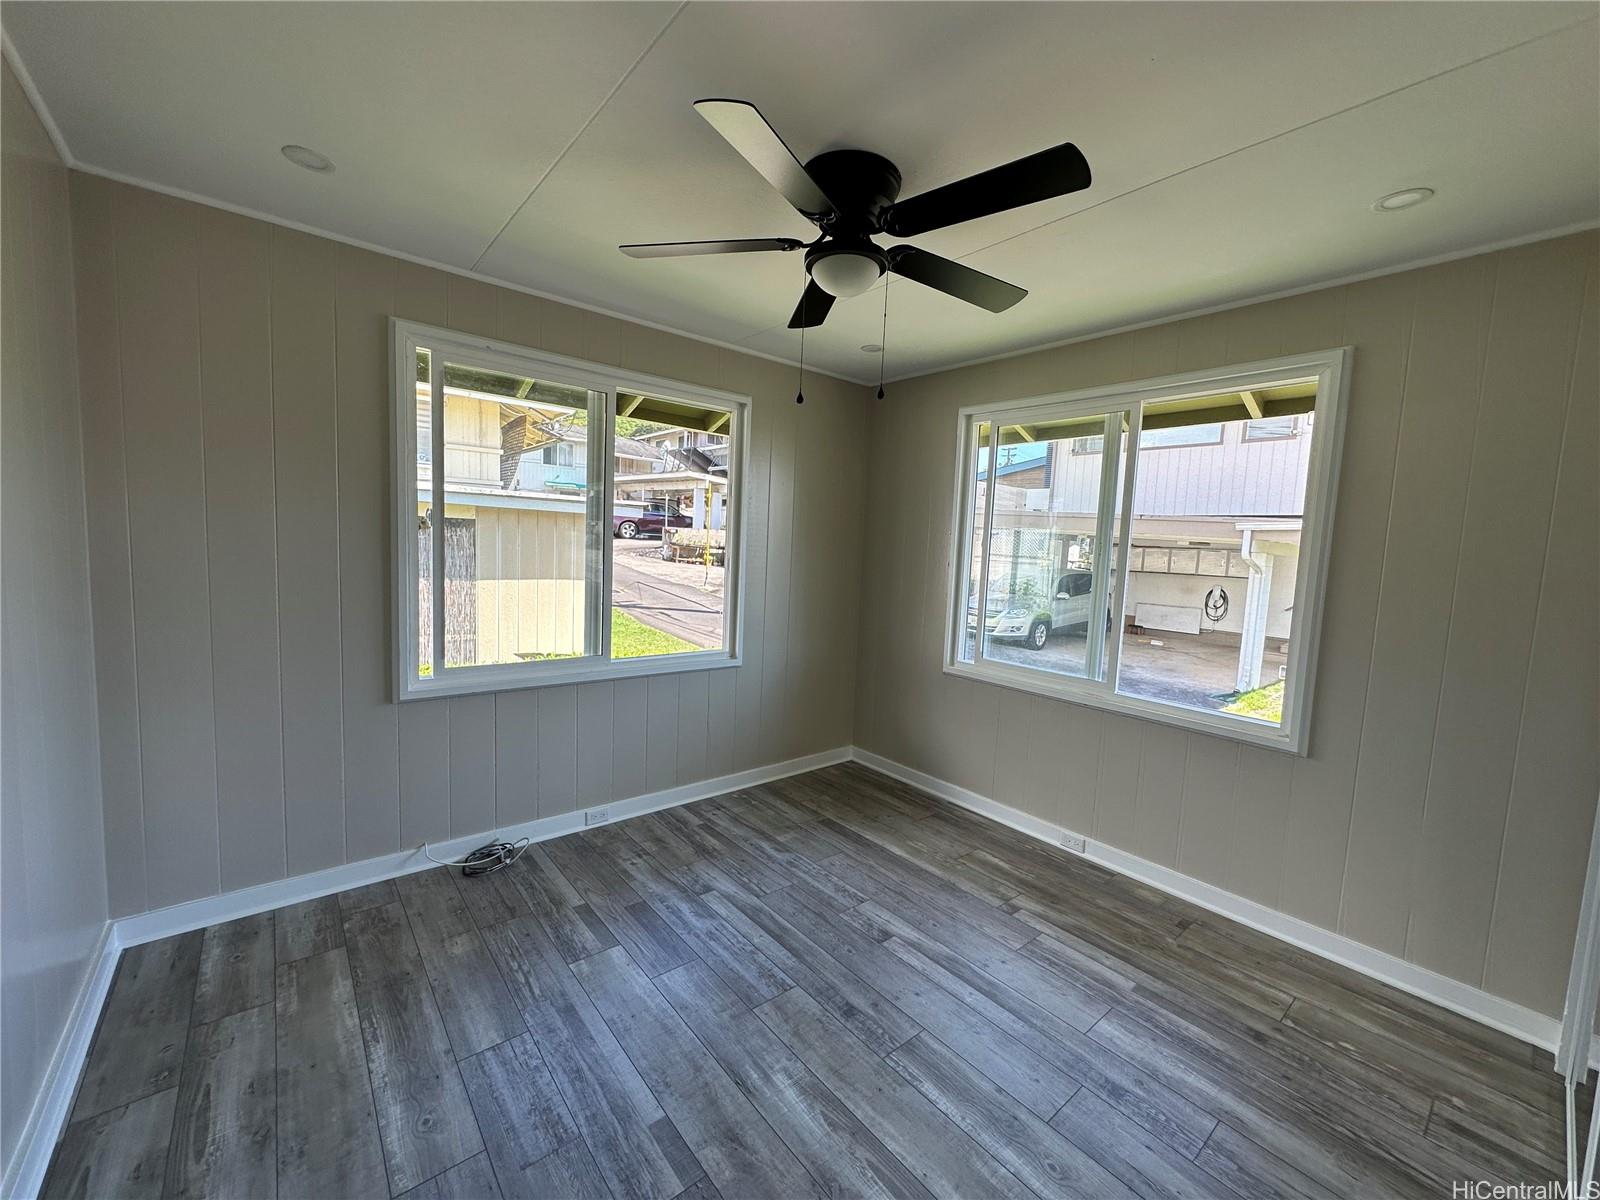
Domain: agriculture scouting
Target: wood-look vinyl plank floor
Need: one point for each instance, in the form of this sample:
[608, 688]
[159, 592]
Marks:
[833, 985]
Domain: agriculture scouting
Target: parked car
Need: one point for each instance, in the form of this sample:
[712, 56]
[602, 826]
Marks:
[648, 520]
[1031, 619]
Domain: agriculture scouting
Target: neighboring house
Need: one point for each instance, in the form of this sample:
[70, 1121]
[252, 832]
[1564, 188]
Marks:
[1217, 511]
[514, 528]
[515, 478]
[689, 470]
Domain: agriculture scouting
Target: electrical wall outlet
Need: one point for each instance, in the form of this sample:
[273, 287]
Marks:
[1073, 842]
[596, 816]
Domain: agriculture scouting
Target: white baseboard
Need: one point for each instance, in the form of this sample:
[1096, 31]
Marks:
[24, 1173]
[1474, 1003]
[209, 910]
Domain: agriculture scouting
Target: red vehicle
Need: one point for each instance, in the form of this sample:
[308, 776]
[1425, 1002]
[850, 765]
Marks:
[648, 520]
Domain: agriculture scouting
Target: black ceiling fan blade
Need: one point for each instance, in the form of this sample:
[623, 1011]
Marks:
[1042, 176]
[736, 246]
[953, 279]
[813, 307]
[748, 132]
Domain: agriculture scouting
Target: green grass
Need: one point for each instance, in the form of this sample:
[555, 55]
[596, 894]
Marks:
[1265, 703]
[632, 638]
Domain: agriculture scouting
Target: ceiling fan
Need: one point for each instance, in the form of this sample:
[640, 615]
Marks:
[850, 195]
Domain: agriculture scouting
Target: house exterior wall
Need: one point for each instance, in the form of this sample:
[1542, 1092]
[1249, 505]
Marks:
[1235, 477]
[250, 422]
[1443, 811]
[530, 582]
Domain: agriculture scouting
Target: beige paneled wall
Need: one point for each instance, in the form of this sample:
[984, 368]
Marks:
[1444, 810]
[236, 405]
[52, 861]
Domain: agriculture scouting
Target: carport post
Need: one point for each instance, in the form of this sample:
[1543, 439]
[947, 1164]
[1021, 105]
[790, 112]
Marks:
[1253, 635]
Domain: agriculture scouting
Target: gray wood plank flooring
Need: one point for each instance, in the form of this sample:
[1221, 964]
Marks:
[832, 985]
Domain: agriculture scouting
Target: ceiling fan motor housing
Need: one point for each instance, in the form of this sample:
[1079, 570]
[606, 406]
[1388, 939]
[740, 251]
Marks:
[861, 185]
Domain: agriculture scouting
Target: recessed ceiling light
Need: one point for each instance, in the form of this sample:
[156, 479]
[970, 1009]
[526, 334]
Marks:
[1406, 198]
[871, 348]
[303, 156]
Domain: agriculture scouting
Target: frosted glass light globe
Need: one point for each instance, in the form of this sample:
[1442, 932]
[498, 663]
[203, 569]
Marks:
[845, 274]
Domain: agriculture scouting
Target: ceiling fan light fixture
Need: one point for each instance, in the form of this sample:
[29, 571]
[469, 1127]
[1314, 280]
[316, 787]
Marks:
[845, 273]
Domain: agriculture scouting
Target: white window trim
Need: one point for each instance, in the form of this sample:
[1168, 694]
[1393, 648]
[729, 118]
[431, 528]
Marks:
[1331, 370]
[405, 337]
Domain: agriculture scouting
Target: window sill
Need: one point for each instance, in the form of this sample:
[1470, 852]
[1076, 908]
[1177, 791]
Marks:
[471, 681]
[1094, 694]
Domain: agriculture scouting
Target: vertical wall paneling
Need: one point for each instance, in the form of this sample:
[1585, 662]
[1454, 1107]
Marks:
[235, 308]
[516, 757]
[694, 705]
[424, 772]
[307, 463]
[1437, 428]
[472, 764]
[595, 736]
[158, 311]
[630, 704]
[1527, 939]
[1526, 378]
[1205, 822]
[1163, 762]
[94, 229]
[1378, 321]
[365, 296]
[1014, 750]
[720, 722]
[558, 750]
[661, 733]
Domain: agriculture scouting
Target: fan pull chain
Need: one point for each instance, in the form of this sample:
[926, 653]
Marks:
[800, 391]
[883, 338]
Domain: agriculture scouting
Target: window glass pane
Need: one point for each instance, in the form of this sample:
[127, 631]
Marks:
[977, 460]
[1270, 427]
[515, 526]
[424, 391]
[1177, 435]
[670, 526]
[1180, 435]
[1039, 609]
[1211, 596]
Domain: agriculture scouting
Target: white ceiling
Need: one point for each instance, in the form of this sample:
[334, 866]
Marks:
[1236, 148]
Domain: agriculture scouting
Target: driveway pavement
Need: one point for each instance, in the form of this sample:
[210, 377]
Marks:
[1178, 668]
[683, 599]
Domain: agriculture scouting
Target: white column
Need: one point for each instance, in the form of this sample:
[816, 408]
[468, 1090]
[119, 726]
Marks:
[1253, 635]
[716, 508]
[698, 518]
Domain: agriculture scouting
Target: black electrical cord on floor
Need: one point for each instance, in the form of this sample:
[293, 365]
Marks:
[486, 858]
